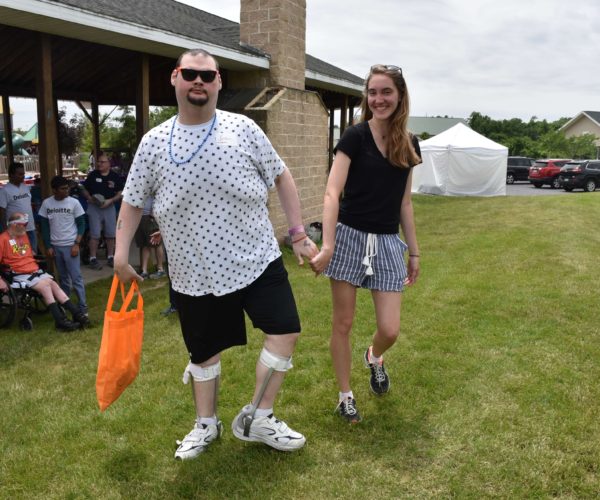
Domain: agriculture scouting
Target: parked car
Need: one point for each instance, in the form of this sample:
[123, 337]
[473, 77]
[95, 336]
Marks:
[546, 172]
[517, 168]
[583, 174]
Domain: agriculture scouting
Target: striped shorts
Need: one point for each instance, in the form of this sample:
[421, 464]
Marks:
[366, 260]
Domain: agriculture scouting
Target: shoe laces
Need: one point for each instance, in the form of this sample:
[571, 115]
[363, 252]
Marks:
[376, 368]
[348, 406]
[379, 372]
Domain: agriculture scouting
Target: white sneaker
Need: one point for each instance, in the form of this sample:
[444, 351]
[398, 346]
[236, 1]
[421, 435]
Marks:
[197, 440]
[268, 430]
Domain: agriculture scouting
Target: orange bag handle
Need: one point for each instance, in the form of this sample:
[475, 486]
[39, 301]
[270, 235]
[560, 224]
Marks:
[126, 299]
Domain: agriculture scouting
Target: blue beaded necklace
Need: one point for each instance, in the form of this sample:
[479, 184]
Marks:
[178, 162]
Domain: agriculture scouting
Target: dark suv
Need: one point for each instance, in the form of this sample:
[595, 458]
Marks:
[517, 168]
[583, 174]
[546, 172]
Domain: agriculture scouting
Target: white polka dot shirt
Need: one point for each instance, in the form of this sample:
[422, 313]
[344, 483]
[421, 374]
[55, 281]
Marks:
[211, 210]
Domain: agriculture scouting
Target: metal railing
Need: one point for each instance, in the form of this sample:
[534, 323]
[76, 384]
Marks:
[32, 165]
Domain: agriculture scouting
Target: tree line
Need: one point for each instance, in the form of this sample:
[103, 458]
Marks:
[535, 138]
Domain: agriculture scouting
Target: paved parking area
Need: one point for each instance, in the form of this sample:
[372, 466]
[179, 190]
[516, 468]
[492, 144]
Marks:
[527, 189]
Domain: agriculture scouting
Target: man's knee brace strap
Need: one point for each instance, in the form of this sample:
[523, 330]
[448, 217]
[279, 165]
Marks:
[201, 374]
[275, 361]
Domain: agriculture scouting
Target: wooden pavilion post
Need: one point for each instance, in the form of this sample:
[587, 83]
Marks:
[48, 146]
[95, 129]
[331, 130]
[8, 131]
[93, 119]
[344, 115]
[142, 104]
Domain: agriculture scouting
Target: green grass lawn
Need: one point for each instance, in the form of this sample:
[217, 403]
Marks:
[495, 388]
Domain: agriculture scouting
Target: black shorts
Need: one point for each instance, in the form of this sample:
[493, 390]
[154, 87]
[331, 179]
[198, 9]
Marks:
[212, 324]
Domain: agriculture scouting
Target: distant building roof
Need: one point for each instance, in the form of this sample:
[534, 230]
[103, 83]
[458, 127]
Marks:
[592, 115]
[432, 125]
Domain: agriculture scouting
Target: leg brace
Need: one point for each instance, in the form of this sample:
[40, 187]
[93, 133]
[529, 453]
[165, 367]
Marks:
[197, 373]
[273, 362]
[201, 374]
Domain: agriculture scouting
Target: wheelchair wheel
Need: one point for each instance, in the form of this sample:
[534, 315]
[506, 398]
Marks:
[8, 308]
[26, 324]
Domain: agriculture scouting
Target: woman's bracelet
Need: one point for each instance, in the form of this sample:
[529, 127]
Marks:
[296, 230]
[413, 255]
[299, 239]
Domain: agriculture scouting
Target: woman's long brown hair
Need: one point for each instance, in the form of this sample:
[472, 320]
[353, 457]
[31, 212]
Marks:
[400, 151]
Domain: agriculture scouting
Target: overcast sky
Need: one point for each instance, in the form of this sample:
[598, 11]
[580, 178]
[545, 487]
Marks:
[503, 58]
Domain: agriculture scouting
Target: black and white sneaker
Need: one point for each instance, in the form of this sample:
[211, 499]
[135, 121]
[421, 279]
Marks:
[380, 381]
[198, 440]
[94, 264]
[346, 408]
[268, 430]
[82, 319]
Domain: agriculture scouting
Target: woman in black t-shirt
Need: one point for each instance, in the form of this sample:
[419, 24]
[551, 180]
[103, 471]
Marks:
[361, 244]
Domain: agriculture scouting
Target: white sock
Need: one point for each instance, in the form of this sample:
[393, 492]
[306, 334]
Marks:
[345, 395]
[207, 420]
[263, 412]
[374, 359]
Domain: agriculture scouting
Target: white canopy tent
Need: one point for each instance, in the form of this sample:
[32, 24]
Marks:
[461, 162]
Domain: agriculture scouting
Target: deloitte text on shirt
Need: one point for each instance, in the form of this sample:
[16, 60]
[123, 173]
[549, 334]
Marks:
[61, 217]
[17, 199]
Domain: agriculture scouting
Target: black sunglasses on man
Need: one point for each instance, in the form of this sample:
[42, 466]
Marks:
[189, 75]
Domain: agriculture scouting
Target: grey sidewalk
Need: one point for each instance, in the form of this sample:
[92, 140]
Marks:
[91, 275]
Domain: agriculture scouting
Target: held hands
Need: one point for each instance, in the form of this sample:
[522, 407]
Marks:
[321, 260]
[304, 247]
[106, 203]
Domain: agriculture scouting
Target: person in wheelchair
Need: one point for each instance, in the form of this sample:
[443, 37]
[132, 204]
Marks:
[16, 254]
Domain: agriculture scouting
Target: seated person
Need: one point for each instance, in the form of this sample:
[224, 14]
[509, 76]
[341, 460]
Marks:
[15, 252]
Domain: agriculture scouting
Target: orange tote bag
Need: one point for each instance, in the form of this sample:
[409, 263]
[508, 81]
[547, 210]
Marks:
[121, 346]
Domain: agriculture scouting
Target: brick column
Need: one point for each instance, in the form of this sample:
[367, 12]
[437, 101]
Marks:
[279, 28]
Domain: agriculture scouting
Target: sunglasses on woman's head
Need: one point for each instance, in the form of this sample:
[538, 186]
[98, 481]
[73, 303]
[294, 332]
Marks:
[388, 67]
[190, 75]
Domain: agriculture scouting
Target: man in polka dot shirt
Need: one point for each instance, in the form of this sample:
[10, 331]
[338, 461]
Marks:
[209, 172]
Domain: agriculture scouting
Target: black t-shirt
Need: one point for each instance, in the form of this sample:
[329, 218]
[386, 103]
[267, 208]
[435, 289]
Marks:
[374, 187]
[106, 185]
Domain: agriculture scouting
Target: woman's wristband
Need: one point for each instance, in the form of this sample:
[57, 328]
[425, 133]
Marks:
[292, 231]
[413, 255]
[299, 239]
